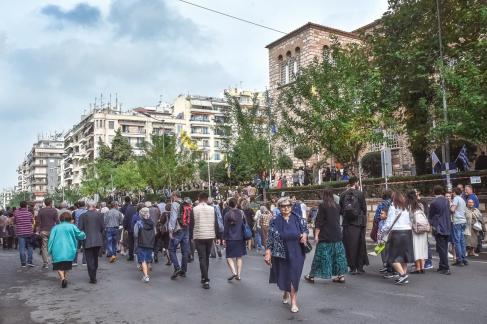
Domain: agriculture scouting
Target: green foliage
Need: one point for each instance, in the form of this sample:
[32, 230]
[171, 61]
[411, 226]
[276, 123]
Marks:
[68, 195]
[372, 164]
[303, 152]
[20, 196]
[408, 57]
[335, 104]
[127, 178]
[218, 171]
[120, 150]
[284, 162]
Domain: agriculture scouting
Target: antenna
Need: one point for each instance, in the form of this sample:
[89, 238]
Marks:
[116, 100]
[110, 102]
[94, 106]
[101, 100]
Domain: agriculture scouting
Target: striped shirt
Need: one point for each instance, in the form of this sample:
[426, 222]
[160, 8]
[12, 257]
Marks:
[23, 220]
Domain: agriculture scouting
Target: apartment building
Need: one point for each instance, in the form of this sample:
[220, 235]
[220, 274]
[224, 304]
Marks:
[5, 197]
[82, 142]
[40, 172]
[288, 54]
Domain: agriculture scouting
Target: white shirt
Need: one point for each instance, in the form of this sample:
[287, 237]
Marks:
[403, 223]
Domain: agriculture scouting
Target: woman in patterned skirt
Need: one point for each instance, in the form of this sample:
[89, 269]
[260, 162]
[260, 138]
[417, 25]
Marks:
[329, 259]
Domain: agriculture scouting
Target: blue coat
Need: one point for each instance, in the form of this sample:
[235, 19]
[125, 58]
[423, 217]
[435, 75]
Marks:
[274, 240]
[63, 242]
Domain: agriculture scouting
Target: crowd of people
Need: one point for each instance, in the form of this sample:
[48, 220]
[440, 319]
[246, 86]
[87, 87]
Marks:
[403, 226]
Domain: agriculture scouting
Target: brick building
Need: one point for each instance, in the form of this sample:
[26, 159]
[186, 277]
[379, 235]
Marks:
[298, 49]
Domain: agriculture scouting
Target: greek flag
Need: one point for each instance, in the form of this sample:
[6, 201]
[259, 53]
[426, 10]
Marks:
[435, 163]
[463, 157]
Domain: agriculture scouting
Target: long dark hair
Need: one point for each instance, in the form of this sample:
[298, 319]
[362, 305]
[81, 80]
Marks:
[413, 201]
[328, 199]
[398, 200]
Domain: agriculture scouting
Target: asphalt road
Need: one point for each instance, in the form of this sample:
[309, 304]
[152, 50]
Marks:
[34, 295]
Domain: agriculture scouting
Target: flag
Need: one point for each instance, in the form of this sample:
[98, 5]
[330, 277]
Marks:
[435, 163]
[463, 157]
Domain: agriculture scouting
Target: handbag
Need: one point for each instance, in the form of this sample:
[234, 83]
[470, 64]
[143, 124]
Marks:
[477, 226]
[419, 222]
[374, 231]
[386, 236]
[306, 247]
[247, 232]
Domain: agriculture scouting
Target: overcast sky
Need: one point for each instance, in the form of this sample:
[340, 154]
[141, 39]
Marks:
[57, 56]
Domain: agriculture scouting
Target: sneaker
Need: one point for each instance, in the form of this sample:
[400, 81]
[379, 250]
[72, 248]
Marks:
[113, 259]
[45, 266]
[182, 273]
[175, 274]
[402, 280]
[428, 266]
[23, 266]
[206, 285]
[145, 279]
[383, 270]
[458, 263]
[391, 276]
[30, 265]
[450, 256]
[465, 262]
[444, 272]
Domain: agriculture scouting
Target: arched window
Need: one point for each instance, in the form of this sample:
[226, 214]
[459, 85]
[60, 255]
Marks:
[288, 67]
[296, 62]
[282, 70]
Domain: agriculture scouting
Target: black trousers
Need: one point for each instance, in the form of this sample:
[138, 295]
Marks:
[92, 261]
[355, 246]
[131, 245]
[442, 249]
[204, 249]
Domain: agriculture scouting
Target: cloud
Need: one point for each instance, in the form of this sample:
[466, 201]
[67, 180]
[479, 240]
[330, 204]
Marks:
[82, 14]
[150, 20]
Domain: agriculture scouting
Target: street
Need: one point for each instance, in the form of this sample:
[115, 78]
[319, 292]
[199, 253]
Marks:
[33, 295]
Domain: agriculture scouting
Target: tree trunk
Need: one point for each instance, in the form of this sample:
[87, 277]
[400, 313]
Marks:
[419, 157]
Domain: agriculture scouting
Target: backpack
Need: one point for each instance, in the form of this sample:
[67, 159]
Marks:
[419, 222]
[351, 206]
[184, 217]
[161, 225]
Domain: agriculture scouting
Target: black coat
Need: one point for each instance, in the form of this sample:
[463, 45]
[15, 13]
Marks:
[93, 225]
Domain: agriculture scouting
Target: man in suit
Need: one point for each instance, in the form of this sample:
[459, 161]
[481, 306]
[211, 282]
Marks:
[93, 225]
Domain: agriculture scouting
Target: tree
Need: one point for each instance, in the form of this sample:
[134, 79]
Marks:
[20, 196]
[284, 162]
[218, 171]
[120, 150]
[303, 153]
[372, 164]
[335, 104]
[409, 59]
[127, 177]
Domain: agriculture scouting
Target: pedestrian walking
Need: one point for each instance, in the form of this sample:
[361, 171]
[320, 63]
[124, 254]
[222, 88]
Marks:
[264, 221]
[47, 218]
[62, 246]
[233, 237]
[380, 217]
[129, 210]
[144, 238]
[284, 253]
[206, 227]
[420, 229]
[458, 208]
[93, 225]
[162, 234]
[400, 250]
[113, 219]
[439, 218]
[179, 224]
[329, 259]
[249, 218]
[23, 221]
[353, 210]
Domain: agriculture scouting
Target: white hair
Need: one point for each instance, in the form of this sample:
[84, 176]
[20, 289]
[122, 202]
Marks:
[283, 201]
[91, 204]
[144, 213]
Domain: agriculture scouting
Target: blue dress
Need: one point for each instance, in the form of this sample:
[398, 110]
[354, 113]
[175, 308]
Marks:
[287, 272]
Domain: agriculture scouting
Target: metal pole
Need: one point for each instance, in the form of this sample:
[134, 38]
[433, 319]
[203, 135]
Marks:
[445, 149]
[209, 179]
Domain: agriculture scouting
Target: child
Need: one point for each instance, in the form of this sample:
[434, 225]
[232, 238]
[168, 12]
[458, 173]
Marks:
[144, 238]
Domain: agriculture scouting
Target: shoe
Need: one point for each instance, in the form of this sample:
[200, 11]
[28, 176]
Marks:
[354, 272]
[45, 266]
[465, 262]
[450, 256]
[130, 259]
[75, 264]
[285, 298]
[175, 274]
[416, 272]
[156, 260]
[232, 277]
[445, 272]
[212, 256]
[360, 271]
[458, 263]
[428, 266]
[168, 263]
[30, 265]
[402, 280]
[64, 283]
[206, 285]
[309, 279]
[383, 270]
[113, 259]
[145, 279]
[94, 281]
[294, 309]
[182, 273]
[391, 276]
[23, 266]
[219, 252]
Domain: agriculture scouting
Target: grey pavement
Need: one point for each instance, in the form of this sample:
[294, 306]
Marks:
[34, 296]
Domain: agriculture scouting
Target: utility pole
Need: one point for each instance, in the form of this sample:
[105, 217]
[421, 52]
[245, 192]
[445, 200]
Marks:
[445, 149]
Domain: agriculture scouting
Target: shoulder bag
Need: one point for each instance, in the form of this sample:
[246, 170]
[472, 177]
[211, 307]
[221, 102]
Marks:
[247, 232]
[419, 222]
[382, 245]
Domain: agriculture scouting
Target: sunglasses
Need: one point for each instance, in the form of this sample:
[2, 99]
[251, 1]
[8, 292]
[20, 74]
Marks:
[285, 206]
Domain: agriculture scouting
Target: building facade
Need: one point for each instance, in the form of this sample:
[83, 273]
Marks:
[288, 54]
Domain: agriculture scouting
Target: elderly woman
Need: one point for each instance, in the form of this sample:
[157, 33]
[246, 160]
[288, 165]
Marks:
[471, 233]
[284, 251]
[144, 238]
[62, 245]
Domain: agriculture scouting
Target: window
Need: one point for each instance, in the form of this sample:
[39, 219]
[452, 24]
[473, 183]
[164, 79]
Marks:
[111, 124]
[205, 130]
[140, 129]
[125, 128]
[217, 156]
[206, 143]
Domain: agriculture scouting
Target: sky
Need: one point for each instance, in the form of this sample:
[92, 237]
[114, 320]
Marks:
[57, 56]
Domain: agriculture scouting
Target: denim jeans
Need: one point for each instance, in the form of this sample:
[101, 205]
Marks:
[258, 238]
[111, 238]
[459, 241]
[180, 237]
[25, 248]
